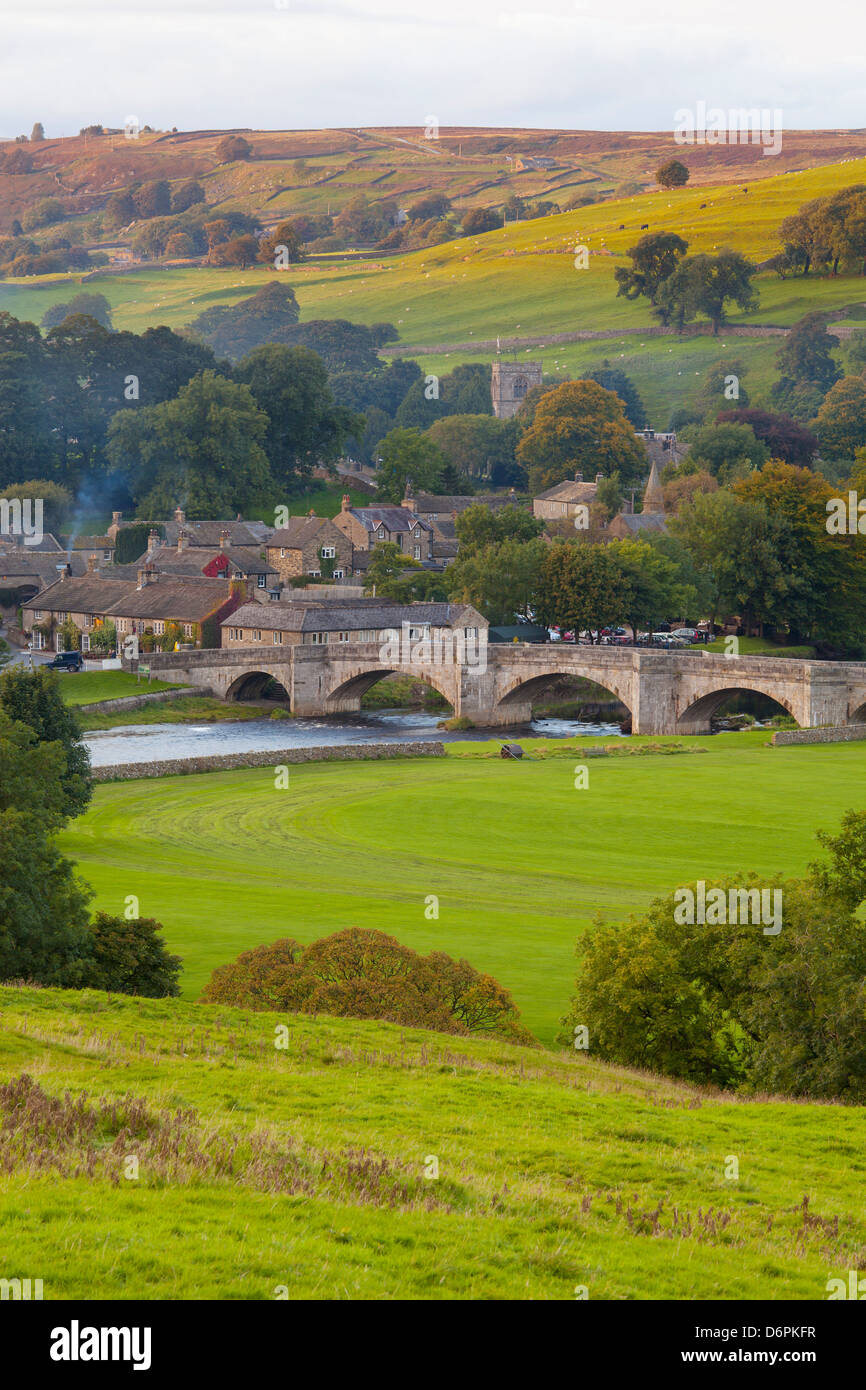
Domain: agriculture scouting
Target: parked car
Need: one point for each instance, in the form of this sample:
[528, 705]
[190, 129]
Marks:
[688, 634]
[67, 661]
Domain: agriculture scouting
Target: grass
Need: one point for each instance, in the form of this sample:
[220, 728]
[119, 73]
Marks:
[759, 646]
[519, 859]
[185, 709]
[301, 1172]
[521, 280]
[90, 687]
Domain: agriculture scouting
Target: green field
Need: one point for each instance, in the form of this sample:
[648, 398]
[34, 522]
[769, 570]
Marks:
[519, 859]
[90, 687]
[269, 1173]
[521, 280]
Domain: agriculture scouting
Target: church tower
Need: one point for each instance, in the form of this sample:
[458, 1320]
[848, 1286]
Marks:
[653, 498]
[509, 384]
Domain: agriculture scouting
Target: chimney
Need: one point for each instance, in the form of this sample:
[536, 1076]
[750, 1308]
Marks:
[578, 477]
[179, 515]
[116, 518]
[62, 571]
[92, 561]
[347, 502]
[182, 542]
[146, 575]
[225, 538]
[153, 540]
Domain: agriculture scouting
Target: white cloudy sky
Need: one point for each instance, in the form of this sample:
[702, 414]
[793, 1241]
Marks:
[307, 63]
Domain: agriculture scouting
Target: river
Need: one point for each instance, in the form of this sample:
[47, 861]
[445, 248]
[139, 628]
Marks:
[144, 743]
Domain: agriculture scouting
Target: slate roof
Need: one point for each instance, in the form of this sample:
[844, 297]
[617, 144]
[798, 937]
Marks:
[393, 518]
[91, 594]
[343, 617]
[300, 532]
[570, 491]
[207, 533]
[193, 560]
[186, 600]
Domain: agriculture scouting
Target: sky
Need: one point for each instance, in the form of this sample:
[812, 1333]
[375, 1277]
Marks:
[306, 64]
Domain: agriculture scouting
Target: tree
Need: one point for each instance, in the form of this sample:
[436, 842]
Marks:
[239, 250]
[267, 316]
[43, 907]
[807, 353]
[285, 242]
[825, 576]
[95, 306]
[658, 590]
[408, 456]
[783, 436]
[684, 486]
[231, 148]
[38, 132]
[478, 446]
[612, 379]
[186, 195]
[841, 421]
[673, 174]
[153, 199]
[479, 220]
[582, 587]
[367, 974]
[727, 451]
[580, 425]
[179, 246]
[434, 205]
[718, 382]
[206, 445]
[499, 579]
[704, 284]
[129, 957]
[387, 570]
[43, 214]
[654, 258]
[33, 698]
[305, 426]
[478, 526]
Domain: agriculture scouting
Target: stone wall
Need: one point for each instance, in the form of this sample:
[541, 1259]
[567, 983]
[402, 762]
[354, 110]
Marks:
[139, 701]
[847, 733]
[220, 762]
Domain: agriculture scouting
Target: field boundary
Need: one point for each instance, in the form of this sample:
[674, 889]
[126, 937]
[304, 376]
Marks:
[220, 762]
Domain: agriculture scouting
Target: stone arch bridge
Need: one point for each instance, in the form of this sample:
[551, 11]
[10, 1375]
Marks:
[667, 692]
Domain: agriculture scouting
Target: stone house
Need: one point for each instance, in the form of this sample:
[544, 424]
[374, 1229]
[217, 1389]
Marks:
[226, 561]
[366, 620]
[311, 545]
[563, 500]
[149, 605]
[369, 526]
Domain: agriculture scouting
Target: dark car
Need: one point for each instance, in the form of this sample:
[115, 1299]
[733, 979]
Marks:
[67, 661]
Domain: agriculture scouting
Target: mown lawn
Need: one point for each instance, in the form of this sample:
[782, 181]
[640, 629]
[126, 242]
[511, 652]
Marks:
[301, 1172]
[89, 687]
[519, 859]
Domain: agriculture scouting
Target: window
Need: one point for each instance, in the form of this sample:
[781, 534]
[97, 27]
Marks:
[159, 628]
[282, 552]
[417, 633]
[342, 636]
[338, 574]
[319, 639]
[314, 574]
[187, 629]
[417, 552]
[278, 637]
[328, 552]
[89, 620]
[262, 581]
[257, 634]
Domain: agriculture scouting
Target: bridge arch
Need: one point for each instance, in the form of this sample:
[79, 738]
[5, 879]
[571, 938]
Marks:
[524, 689]
[252, 684]
[346, 695]
[696, 717]
[857, 707]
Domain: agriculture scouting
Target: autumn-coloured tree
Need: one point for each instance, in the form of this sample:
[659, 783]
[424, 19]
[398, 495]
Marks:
[580, 426]
[360, 973]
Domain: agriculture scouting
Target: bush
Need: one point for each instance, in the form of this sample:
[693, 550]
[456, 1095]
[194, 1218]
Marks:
[729, 1005]
[128, 957]
[367, 974]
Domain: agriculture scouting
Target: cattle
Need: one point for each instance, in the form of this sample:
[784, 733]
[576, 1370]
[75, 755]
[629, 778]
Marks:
[622, 226]
[745, 190]
[644, 226]
[703, 205]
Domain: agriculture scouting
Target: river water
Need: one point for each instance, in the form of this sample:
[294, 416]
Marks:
[144, 743]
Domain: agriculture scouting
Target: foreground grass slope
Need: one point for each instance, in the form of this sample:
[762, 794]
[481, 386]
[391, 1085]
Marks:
[302, 1169]
[519, 859]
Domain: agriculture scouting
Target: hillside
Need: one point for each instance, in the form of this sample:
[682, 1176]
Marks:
[473, 166]
[301, 1172]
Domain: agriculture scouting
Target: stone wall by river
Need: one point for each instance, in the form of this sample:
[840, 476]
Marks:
[218, 762]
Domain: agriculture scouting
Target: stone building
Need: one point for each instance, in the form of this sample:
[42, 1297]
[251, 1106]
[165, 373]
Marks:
[311, 545]
[510, 382]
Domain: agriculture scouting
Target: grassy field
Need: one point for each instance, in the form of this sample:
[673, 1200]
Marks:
[301, 1172]
[186, 709]
[521, 281]
[519, 859]
[89, 687]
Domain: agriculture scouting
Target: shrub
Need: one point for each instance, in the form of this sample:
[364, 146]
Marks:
[366, 974]
[128, 957]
